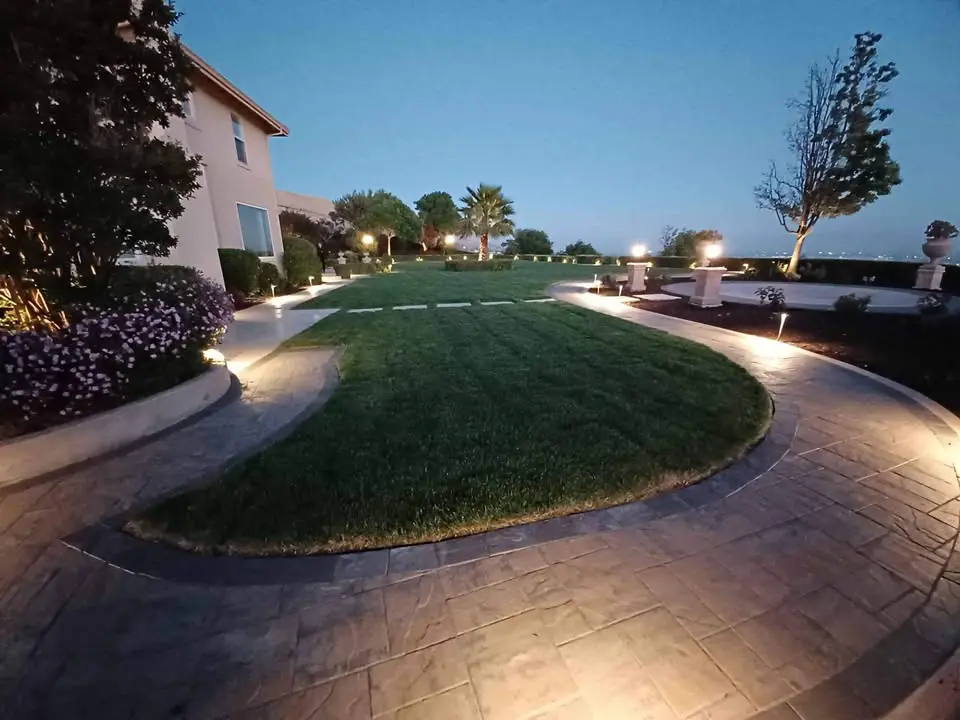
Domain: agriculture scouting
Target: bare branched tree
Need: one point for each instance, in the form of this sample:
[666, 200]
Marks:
[840, 160]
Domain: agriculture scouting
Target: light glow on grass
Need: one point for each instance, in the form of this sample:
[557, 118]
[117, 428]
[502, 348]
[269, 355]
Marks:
[522, 406]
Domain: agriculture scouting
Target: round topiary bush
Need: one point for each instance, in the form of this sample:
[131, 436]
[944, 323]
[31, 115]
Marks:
[300, 261]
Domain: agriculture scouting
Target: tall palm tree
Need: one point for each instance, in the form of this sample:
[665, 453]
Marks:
[486, 213]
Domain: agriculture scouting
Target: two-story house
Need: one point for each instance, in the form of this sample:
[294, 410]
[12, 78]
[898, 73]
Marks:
[235, 205]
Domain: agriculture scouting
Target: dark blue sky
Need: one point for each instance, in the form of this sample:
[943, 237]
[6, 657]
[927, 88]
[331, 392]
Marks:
[603, 120]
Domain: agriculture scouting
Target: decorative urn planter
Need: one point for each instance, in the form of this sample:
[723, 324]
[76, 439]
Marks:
[936, 248]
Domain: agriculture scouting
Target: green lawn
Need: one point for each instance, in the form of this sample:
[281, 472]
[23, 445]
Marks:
[415, 283]
[448, 421]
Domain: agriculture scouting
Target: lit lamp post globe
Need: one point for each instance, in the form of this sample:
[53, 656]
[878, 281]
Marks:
[637, 275]
[367, 240]
[711, 251]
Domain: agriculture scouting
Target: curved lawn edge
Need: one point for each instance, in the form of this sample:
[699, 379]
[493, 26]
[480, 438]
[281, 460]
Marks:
[615, 477]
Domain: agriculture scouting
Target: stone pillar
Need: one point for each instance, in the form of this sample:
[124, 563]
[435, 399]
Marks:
[706, 293]
[929, 277]
[637, 278]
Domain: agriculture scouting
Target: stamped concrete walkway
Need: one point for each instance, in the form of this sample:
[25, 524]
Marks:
[815, 579]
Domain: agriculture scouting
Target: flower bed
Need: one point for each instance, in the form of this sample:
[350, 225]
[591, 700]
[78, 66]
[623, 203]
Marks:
[148, 335]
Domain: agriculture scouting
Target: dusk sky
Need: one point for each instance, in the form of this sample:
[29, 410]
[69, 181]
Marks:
[603, 121]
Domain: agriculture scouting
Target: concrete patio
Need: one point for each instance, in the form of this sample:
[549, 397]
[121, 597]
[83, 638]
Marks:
[816, 578]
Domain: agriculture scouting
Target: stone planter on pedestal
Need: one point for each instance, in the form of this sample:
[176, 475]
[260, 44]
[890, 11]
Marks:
[706, 293]
[929, 275]
[637, 278]
[366, 258]
[341, 258]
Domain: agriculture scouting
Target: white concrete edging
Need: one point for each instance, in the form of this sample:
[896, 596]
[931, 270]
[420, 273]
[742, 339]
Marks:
[39, 453]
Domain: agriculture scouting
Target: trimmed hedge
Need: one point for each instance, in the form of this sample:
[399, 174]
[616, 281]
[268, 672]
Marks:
[241, 270]
[300, 261]
[495, 265]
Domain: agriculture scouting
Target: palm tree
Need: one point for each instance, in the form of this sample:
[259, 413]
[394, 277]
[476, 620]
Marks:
[486, 213]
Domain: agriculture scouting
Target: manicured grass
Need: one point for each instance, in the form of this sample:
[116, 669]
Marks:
[416, 283]
[449, 421]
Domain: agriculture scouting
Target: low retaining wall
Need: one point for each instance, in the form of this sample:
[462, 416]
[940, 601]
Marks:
[46, 451]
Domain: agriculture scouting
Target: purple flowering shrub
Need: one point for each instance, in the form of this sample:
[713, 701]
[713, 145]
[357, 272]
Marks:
[145, 336]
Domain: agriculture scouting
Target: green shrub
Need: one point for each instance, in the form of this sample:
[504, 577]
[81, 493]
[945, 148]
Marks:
[772, 296]
[475, 265]
[343, 271]
[300, 261]
[241, 270]
[268, 275]
[852, 304]
[129, 279]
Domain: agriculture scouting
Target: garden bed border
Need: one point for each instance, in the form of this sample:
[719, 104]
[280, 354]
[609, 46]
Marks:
[54, 449]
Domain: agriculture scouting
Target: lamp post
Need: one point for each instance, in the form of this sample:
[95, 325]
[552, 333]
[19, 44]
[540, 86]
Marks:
[637, 271]
[706, 292]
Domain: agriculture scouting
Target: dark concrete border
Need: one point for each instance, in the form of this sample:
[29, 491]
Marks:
[107, 541]
[224, 388]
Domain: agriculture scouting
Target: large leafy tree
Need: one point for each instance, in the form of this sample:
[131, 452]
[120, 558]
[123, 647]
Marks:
[377, 213]
[529, 241]
[326, 234]
[439, 217]
[485, 213]
[84, 175]
[350, 208]
[686, 242]
[840, 156]
[580, 248]
[389, 217]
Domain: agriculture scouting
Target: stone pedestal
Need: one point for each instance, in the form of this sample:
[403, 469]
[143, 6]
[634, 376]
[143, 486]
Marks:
[706, 293]
[637, 277]
[929, 277]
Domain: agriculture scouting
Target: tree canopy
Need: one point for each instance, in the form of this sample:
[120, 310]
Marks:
[329, 234]
[377, 213]
[85, 177]
[580, 248]
[439, 217]
[528, 241]
[686, 242]
[485, 213]
[840, 157]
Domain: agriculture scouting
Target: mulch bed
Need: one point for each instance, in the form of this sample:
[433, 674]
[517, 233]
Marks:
[916, 351]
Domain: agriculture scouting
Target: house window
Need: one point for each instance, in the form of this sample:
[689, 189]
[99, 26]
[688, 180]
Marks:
[187, 105]
[238, 139]
[255, 229]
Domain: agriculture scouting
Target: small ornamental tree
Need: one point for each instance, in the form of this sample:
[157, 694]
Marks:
[439, 217]
[485, 213]
[840, 156]
[85, 176]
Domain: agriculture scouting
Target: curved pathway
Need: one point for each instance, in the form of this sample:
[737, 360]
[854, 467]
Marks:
[817, 578]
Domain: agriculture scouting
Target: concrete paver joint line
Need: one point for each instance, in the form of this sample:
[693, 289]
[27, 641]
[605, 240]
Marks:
[818, 577]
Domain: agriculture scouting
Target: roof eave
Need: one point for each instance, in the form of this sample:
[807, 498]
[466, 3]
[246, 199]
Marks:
[275, 127]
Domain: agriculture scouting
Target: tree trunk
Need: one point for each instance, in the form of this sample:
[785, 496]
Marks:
[484, 243]
[797, 247]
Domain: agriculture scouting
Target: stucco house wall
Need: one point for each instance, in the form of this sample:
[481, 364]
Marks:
[310, 205]
[211, 218]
